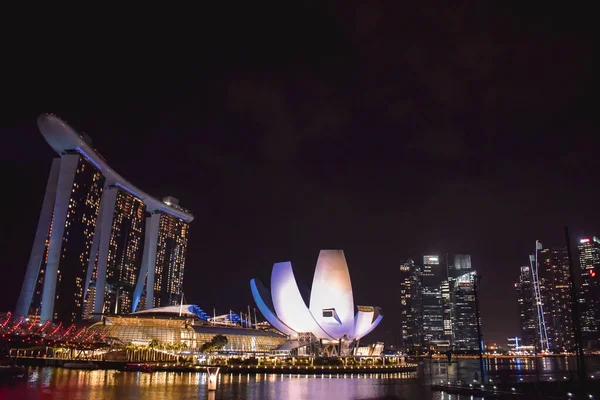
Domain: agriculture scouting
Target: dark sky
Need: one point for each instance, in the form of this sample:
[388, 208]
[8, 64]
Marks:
[384, 130]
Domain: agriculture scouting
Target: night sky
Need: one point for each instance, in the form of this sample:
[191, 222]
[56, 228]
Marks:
[384, 130]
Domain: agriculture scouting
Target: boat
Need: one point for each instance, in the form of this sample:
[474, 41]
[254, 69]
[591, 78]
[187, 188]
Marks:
[80, 365]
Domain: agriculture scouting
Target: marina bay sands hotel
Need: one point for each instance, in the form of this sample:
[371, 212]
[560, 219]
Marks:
[102, 246]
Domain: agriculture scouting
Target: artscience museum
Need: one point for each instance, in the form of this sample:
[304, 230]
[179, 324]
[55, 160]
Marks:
[330, 316]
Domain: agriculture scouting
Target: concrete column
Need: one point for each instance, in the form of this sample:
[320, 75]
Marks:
[68, 167]
[109, 197]
[39, 242]
[148, 262]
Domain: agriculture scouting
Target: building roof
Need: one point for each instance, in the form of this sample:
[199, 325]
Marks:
[63, 139]
[229, 330]
[186, 310]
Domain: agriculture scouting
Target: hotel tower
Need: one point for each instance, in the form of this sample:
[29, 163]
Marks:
[102, 246]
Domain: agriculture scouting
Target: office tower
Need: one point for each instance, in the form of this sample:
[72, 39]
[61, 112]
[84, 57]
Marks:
[446, 290]
[433, 317]
[464, 327]
[555, 286]
[589, 297]
[92, 240]
[527, 308]
[448, 305]
[461, 277]
[458, 265]
[411, 306]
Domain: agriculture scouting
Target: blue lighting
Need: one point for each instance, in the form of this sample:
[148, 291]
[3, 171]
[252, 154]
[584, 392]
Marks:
[90, 159]
[194, 309]
[128, 190]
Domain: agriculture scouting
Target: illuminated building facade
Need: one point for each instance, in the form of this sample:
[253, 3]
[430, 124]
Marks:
[555, 286]
[527, 308]
[433, 315]
[411, 305]
[461, 278]
[124, 257]
[330, 317]
[60, 256]
[447, 306]
[92, 246]
[187, 324]
[438, 304]
[589, 298]
[464, 313]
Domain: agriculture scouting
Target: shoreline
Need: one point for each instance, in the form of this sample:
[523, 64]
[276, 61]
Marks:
[272, 369]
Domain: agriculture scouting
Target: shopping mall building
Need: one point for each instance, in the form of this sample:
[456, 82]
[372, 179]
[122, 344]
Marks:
[190, 325]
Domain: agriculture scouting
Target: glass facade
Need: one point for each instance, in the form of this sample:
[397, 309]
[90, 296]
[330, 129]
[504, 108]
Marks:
[589, 299]
[170, 261]
[433, 317]
[527, 308]
[411, 306]
[143, 330]
[84, 205]
[438, 304]
[82, 212]
[464, 314]
[124, 253]
[555, 285]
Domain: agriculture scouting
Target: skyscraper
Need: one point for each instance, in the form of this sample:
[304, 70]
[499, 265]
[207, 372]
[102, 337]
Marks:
[589, 299]
[527, 308]
[91, 240]
[433, 315]
[461, 277]
[464, 314]
[164, 287]
[555, 286]
[411, 305]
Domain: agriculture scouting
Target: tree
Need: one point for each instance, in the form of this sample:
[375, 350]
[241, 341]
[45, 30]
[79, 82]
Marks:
[218, 342]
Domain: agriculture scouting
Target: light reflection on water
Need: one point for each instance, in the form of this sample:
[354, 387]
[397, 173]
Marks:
[60, 383]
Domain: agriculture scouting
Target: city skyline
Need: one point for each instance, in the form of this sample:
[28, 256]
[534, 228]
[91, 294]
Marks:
[127, 197]
[388, 130]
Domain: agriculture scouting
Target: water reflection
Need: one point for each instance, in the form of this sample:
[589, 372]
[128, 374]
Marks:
[58, 383]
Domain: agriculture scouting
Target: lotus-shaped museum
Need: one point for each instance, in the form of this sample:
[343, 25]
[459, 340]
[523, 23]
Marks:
[330, 315]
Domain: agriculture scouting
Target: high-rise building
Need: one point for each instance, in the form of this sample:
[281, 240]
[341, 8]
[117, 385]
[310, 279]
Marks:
[433, 315]
[527, 308]
[92, 246]
[589, 298]
[171, 249]
[465, 336]
[63, 239]
[447, 292]
[448, 312]
[555, 286]
[411, 306]
[462, 298]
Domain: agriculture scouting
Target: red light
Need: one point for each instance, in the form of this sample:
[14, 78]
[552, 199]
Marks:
[592, 273]
[585, 240]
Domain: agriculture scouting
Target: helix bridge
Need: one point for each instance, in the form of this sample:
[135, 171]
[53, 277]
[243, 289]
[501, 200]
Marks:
[21, 332]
